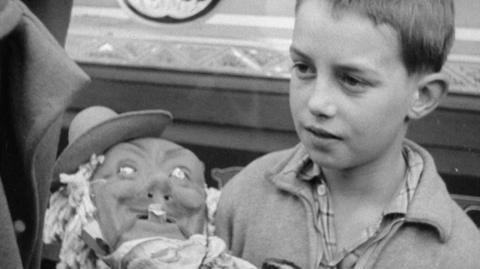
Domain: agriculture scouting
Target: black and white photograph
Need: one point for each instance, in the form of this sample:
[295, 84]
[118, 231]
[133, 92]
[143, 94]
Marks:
[228, 134]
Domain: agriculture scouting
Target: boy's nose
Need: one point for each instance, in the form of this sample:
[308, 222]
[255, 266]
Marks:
[321, 102]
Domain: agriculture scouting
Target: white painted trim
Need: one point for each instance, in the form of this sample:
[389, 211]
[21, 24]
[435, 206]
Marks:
[467, 34]
[279, 44]
[278, 22]
[107, 12]
[464, 58]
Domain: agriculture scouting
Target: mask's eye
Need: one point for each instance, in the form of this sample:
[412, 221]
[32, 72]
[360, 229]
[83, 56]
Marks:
[126, 170]
[179, 173]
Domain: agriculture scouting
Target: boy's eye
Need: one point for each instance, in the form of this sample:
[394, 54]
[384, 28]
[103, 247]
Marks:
[303, 70]
[126, 170]
[352, 81]
[179, 173]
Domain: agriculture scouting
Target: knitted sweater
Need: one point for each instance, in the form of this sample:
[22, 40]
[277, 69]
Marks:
[266, 212]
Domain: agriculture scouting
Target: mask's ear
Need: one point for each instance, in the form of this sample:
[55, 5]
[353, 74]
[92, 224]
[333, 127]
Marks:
[430, 91]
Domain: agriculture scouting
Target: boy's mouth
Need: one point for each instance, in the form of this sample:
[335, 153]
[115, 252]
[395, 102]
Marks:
[322, 133]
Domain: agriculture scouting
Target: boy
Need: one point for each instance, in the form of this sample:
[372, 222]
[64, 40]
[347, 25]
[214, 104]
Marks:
[355, 193]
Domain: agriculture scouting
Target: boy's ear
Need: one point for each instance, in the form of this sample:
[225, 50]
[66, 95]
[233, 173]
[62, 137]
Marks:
[430, 91]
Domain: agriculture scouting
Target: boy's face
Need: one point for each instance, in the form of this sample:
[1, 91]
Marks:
[349, 92]
[144, 172]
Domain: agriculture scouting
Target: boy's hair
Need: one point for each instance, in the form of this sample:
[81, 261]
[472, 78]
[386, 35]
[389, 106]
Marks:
[425, 28]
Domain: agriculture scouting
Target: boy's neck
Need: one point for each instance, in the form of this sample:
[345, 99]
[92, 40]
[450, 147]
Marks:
[374, 183]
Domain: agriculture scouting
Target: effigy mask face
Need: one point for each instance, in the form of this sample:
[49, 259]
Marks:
[149, 187]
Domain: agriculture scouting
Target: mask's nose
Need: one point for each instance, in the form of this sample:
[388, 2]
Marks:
[157, 189]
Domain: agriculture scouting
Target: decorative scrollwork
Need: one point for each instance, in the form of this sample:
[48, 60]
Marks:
[168, 11]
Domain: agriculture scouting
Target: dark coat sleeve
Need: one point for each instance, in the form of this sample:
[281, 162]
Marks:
[37, 82]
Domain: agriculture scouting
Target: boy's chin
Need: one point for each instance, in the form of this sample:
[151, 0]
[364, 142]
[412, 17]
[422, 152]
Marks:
[325, 159]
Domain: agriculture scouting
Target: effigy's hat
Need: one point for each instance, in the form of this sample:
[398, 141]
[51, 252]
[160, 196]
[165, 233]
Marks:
[97, 128]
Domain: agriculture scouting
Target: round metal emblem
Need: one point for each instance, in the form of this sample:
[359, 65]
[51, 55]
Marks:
[168, 11]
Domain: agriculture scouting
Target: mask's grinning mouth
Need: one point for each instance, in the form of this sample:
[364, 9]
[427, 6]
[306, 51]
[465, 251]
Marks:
[170, 220]
[142, 216]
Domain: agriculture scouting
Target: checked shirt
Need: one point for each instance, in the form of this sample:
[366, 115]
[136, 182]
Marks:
[334, 258]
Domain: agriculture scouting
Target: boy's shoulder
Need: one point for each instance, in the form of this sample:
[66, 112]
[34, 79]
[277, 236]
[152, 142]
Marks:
[433, 202]
[419, 246]
[437, 224]
[436, 233]
[463, 244]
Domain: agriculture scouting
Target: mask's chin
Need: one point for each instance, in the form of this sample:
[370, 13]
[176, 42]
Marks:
[160, 223]
[143, 228]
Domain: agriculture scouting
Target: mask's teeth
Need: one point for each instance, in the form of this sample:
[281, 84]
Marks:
[156, 213]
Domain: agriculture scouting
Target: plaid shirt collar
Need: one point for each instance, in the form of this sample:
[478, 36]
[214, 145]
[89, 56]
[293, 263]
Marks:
[307, 170]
